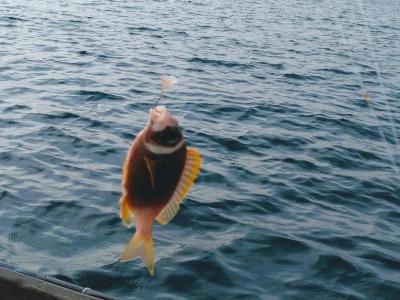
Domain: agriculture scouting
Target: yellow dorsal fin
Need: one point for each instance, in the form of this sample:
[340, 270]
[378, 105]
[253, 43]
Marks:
[189, 174]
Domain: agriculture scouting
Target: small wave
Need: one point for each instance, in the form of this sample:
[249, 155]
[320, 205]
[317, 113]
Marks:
[56, 116]
[137, 91]
[302, 163]
[219, 63]
[4, 123]
[11, 19]
[384, 260]
[181, 282]
[297, 76]
[340, 242]
[19, 90]
[61, 137]
[107, 280]
[285, 141]
[143, 28]
[6, 195]
[276, 66]
[97, 95]
[84, 52]
[232, 144]
[335, 71]
[210, 269]
[333, 267]
[210, 177]
[17, 107]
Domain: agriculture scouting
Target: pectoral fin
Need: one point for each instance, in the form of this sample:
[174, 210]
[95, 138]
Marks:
[150, 167]
[190, 172]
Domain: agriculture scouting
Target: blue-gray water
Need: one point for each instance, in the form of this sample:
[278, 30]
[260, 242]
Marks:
[294, 105]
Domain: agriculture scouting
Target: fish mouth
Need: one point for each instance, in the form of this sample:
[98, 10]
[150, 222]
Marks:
[160, 119]
[159, 109]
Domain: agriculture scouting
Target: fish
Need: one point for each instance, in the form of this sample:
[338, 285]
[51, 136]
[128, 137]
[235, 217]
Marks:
[158, 172]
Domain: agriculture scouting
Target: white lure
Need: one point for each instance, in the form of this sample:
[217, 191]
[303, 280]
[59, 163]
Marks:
[168, 81]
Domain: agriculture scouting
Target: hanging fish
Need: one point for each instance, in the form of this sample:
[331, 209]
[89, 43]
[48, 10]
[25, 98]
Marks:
[158, 172]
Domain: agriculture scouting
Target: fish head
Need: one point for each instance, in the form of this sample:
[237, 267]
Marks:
[163, 129]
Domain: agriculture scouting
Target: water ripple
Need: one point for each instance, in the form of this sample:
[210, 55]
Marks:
[293, 105]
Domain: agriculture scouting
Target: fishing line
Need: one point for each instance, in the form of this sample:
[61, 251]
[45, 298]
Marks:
[378, 71]
[159, 98]
[370, 104]
[371, 110]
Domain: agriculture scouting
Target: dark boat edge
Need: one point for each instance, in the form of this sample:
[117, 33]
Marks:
[21, 285]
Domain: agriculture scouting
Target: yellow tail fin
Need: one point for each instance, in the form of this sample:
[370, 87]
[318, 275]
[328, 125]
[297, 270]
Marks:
[140, 246]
